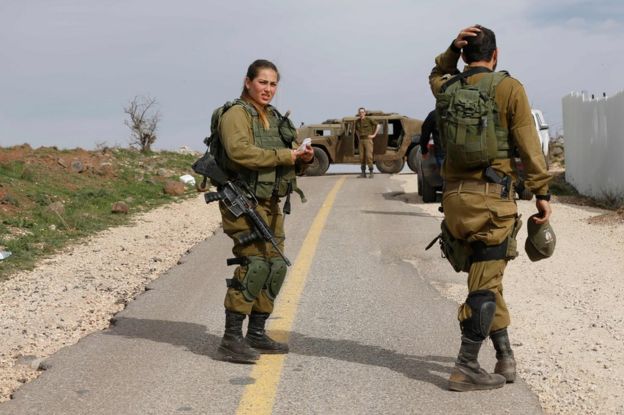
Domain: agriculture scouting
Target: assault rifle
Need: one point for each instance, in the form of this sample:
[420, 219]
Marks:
[238, 199]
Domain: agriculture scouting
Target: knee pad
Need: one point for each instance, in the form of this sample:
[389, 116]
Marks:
[276, 277]
[258, 271]
[482, 304]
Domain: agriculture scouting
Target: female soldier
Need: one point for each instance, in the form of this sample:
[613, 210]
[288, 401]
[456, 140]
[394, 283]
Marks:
[257, 141]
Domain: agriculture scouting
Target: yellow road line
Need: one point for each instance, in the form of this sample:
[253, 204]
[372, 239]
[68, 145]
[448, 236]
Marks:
[258, 397]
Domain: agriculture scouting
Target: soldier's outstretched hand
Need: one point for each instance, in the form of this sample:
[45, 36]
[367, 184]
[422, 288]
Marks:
[460, 40]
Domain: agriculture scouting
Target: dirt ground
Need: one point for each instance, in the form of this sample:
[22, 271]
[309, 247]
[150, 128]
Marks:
[567, 329]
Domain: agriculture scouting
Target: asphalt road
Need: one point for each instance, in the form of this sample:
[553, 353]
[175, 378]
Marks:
[368, 333]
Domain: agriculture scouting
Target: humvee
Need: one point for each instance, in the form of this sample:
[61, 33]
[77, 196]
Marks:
[334, 141]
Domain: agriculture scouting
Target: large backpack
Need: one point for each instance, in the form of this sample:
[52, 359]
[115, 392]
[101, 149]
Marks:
[468, 121]
[215, 148]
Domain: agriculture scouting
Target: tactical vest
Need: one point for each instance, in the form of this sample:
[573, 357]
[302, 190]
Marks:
[275, 181]
[468, 121]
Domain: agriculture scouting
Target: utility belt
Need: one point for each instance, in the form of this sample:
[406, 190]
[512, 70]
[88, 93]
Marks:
[474, 186]
[503, 189]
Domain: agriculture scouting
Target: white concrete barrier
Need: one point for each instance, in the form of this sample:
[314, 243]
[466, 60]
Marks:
[594, 144]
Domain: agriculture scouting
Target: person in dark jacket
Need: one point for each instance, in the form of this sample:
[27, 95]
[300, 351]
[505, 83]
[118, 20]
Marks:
[429, 130]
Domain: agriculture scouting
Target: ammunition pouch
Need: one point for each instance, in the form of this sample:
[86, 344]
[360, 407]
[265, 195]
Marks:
[456, 251]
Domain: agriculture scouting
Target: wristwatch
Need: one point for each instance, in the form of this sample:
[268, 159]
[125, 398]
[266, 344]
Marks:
[545, 197]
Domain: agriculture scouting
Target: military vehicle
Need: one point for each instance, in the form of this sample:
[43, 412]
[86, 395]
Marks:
[334, 141]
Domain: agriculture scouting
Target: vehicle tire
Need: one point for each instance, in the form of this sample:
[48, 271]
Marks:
[411, 159]
[390, 166]
[320, 164]
[428, 192]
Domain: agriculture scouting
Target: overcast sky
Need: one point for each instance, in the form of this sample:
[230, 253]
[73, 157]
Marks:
[68, 67]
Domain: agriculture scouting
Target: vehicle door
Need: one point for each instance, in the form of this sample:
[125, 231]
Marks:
[347, 146]
[380, 143]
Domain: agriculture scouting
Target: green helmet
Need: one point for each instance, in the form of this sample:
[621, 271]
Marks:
[541, 241]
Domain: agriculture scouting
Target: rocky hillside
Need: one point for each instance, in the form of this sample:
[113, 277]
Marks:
[50, 196]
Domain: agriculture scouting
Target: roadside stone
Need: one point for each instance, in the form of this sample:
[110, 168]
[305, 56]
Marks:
[120, 207]
[174, 188]
[32, 361]
[104, 169]
[77, 166]
[162, 172]
[62, 163]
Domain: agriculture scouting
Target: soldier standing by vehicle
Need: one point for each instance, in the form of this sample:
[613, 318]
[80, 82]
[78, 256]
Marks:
[480, 214]
[366, 129]
[257, 142]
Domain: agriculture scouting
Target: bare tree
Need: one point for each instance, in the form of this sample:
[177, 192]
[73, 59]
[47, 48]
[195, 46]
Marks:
[143, 121]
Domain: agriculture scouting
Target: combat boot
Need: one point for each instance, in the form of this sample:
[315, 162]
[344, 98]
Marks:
[233, 347]
[505, 362]
[467, 375]
[370, 172]
[258, 339]
[363, 174]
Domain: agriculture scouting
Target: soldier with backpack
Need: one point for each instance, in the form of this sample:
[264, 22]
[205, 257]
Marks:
[483, 116]
[253, 143]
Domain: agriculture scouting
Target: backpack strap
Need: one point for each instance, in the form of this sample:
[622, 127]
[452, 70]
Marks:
[492, 82]
[462, 76]
[487, 85]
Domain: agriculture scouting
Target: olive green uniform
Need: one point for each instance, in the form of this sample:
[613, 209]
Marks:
[473, 209]
[238, 131]
[363, 128]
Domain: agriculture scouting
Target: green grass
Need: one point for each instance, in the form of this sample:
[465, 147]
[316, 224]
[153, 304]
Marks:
[31, 230]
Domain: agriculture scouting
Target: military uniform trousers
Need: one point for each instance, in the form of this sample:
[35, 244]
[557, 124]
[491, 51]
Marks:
[365, 147]
[269, 211]
[476, 212]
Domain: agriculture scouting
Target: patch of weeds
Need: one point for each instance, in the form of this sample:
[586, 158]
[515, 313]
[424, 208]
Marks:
[610, 201]
[558, 186]
[9, 199]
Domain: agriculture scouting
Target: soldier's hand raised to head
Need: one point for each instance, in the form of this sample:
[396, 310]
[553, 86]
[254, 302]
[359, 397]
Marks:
[471, 31]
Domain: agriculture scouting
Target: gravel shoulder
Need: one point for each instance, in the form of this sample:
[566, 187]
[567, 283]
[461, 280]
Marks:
[567, 312]
[77, 291]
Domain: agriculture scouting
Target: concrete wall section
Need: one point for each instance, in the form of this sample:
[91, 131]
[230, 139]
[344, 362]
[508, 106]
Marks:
[594, 144]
